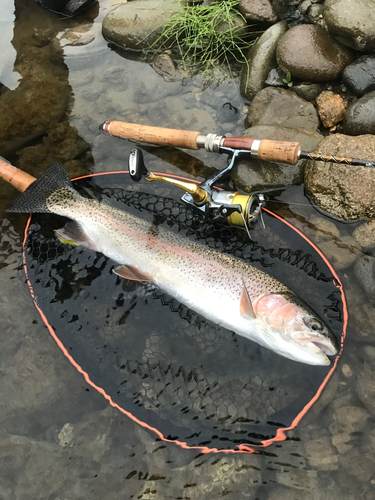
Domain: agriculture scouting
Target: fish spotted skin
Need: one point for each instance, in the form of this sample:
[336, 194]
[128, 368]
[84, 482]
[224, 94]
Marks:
[222, 288]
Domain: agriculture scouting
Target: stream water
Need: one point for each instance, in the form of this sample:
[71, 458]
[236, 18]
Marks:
[59, 438]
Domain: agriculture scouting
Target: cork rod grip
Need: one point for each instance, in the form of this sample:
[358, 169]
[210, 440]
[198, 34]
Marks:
[152, 135]
[19, 179]
[282, 151]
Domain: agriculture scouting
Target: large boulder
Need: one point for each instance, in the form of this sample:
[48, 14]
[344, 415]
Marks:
[344, 191]
[137, 25]
[310, 54]
[352, 23]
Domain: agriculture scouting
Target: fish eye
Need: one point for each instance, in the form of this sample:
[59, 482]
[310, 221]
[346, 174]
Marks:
[314, 324]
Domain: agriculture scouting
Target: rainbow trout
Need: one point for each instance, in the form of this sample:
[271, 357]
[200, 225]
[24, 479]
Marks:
[222, 288]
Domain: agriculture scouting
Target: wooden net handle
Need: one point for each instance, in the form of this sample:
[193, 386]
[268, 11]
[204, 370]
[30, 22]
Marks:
[152, 135]
[19, 179]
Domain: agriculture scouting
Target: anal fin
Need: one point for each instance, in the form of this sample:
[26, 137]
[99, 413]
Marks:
[132, 273]
[73, 234]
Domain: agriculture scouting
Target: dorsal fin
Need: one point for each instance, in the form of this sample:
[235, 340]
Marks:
[246, 307]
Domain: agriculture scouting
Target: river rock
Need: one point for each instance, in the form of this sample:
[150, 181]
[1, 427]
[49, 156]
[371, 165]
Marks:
[366, 385]
[258, 10]
[261, 58]
[359, 76]
[364, 269]
[277, 106]
[310, 54]
[346, 192]
[331, 108]
[352, 23]
[250, 175]
[308, 91]
[360, 117]
[365, 235]
[342, 253]
[137, 25]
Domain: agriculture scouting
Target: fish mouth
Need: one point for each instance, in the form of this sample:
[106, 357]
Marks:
[318, 347]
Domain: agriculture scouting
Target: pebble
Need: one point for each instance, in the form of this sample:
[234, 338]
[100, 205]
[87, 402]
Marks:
[331, 108]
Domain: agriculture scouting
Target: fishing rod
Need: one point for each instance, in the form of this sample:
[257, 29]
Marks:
[236, 209]
[270, 150]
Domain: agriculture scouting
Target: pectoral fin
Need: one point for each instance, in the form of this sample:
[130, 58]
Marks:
[246, 307]
[132, 273]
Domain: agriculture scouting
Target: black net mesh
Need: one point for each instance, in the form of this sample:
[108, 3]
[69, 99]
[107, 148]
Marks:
[170, 368]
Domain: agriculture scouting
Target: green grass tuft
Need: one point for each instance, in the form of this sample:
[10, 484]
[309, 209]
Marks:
[208, 35]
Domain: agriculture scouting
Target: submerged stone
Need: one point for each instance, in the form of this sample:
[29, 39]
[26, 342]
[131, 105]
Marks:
[310, 54]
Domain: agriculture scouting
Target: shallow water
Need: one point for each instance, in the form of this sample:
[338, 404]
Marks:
[59, 438]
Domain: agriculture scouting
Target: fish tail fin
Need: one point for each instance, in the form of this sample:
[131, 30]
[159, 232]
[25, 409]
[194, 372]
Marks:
[34, 198]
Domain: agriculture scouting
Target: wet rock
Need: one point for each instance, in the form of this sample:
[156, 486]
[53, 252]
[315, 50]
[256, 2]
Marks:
[321, 454]
[164, 66]
[360, 117]
[31, 110]
[347, 420]
[315, 13]
[61, 144]
[260, 59]
[215, 477]
[364, 269]
[298, 479]
[358, 464]
[249, 175]
[352, 24]
[276, 106]
[137, 25]
[331, 108]
[359, 76]
[365, 235]
[258, 10]
[342, 253]
[310, 54]
[79, 35]
[344, 191]
[275, 78]
[308, 91]
[321, 229]
[366, 386]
